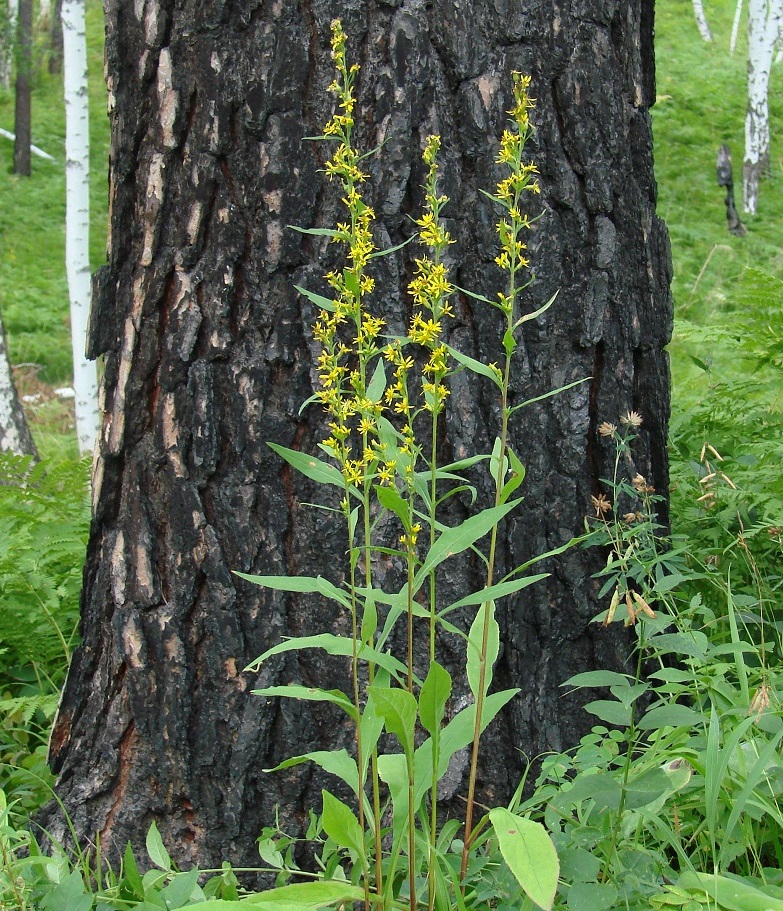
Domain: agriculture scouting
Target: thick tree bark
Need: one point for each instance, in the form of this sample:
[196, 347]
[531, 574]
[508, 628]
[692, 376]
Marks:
[15, 435]
[209, 355]
[23, 110]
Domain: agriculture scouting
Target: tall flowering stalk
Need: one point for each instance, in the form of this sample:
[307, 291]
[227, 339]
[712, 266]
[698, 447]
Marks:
[343, 371]
[378, 405]
[511, 227]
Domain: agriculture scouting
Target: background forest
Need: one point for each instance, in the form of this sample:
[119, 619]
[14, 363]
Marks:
[709, 833]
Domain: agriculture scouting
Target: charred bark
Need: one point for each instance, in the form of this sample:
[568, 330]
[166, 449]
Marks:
[209, 355]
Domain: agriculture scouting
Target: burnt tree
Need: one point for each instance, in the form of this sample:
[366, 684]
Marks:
[209, 354]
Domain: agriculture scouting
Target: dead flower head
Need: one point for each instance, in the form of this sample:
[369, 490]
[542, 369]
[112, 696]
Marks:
[601, 505]
[631, 419]
[606, 429]
[760, 702]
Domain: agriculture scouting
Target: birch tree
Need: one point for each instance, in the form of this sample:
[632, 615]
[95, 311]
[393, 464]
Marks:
[15, 435]
[77, 217]
[701, 20]
[764, 21]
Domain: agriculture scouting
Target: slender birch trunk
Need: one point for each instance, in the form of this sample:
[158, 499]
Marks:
[701, 20]
[15, 435]
[735, 27]
[8, 13]
[77, 217]
[764, 20]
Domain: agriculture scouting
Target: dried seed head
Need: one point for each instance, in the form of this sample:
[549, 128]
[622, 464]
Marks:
[601, 505]
[606, 429]
[631, 419]
[760, 702]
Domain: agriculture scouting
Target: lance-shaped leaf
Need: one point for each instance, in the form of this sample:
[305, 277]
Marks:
[398, 709]
[311, 694]
[334, 645]
[494, 592]
[455, 540]
[305, 584]
[434, 695]
[310, 466]
[341, 825]
[484, 617]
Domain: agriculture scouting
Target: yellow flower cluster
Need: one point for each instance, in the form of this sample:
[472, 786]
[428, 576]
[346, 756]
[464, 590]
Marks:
[521, 179]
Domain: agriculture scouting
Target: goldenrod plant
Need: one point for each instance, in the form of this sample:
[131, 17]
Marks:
[383, 455]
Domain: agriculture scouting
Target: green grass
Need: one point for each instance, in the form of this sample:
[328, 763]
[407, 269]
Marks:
[33, 288]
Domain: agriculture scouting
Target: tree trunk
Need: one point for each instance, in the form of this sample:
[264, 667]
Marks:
[56, 39]
[77, 219]
[24, 66]
[764, 21]
[209, 354]
[701, 20]
[15, 435]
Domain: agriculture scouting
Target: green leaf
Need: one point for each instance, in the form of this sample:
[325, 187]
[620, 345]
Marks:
[475, 366]
[530, 854]
[609, 711]
[315, 232]
[731, 894]
[598, 787]
[310, 466]
[674, 716]
[305, 584]
[517, 476]
[156, 849]
[334, 645]
[398, 710]
[389, 498]
[547, 395]
[181, 889]
[310, 694]
[337, 762]
[494, 592]
[454, 540]
[434, 695]
[598, 678]
[647, 788]
[130, 873]
[325, 303]
[307, 896]
[341, 825]
[536, 313]
[484, 616]
[592, 896]
[378, 382]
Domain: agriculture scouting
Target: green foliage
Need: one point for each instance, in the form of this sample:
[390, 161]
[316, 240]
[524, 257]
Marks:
[44, 518]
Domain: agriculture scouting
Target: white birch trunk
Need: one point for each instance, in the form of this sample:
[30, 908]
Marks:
[44, 11]
[14, 433]
[77, 217]
[8, 21]
[735, 27]
[764, 20]
[701, 20]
